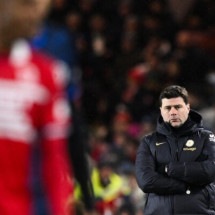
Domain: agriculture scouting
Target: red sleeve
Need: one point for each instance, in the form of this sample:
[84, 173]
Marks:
[55, 122]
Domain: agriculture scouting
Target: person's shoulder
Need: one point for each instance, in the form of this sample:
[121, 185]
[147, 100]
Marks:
[23, 55]
[206, 134]
[51, 66]
[148, 137]
[205, 131]
[42, 59]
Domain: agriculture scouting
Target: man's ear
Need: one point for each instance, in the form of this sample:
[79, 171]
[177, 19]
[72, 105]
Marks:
[188, 106]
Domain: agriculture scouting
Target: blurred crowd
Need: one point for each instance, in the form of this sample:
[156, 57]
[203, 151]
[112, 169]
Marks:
[120, 54]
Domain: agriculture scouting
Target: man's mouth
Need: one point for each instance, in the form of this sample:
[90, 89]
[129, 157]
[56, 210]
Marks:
[174, 120]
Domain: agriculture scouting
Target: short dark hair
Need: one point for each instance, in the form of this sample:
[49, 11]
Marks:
[174, 91]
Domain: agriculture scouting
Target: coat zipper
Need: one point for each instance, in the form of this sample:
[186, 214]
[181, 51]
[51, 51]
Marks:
[177, 159]
[177, 152]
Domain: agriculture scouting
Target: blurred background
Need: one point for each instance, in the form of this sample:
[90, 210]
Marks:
[120, 54]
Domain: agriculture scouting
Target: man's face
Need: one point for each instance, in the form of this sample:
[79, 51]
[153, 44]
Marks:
[21, 18]
[174, 111]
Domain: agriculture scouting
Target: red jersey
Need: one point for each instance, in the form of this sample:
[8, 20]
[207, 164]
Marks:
[34, 120]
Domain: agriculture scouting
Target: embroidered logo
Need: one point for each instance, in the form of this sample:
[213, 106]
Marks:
[158, 144]
[189, 143]
[212, 137]
[189, 149]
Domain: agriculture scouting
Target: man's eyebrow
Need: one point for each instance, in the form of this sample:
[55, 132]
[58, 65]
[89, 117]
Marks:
[177, 105]
[29, 1]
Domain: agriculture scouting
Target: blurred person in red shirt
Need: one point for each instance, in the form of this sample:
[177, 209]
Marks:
[34, 118]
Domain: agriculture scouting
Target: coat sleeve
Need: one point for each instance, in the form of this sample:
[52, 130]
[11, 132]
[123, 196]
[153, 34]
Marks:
[77, 148]
[200, 172]
[151, 181]
[54, 118]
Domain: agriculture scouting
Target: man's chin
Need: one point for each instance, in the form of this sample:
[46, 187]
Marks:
[175, 124]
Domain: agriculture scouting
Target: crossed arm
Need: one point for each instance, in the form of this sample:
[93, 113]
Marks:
[179, 175]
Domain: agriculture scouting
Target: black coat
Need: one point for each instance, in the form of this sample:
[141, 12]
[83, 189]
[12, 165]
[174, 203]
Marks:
[189, 153]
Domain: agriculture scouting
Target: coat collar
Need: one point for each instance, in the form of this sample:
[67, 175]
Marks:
[193, 122]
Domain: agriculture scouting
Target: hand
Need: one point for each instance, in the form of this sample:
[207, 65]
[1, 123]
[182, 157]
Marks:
[162, 169]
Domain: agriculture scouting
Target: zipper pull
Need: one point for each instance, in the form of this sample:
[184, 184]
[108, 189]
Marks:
[188, 191]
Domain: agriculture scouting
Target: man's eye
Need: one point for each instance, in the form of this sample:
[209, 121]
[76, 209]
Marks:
[29, 2]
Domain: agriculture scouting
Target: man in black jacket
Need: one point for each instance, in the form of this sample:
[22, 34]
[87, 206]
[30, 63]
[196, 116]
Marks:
[175, 165]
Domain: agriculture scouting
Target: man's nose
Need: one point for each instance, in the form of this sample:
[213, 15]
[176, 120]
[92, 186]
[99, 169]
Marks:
[173, 111]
